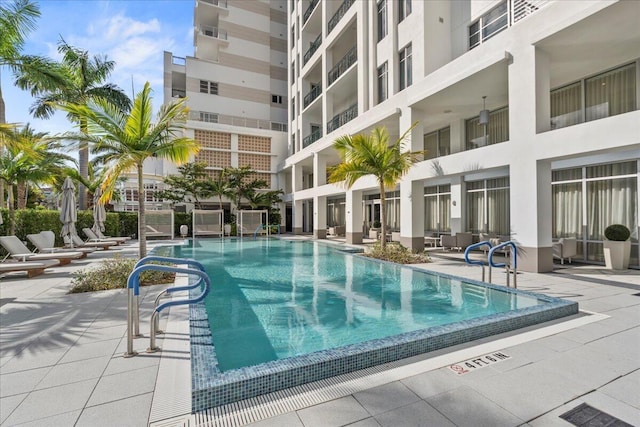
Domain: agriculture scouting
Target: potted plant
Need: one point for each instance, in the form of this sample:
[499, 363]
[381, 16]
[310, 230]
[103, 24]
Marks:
[617, 247]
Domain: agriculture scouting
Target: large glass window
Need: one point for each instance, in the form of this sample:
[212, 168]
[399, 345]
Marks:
[404, 9]
[489, 24]
[488, 206]
[605, 95]
[382, 19]
[382, 82]
[336, 212]
[406, 72]
[437, 143]
[437, 209]
[497, 130]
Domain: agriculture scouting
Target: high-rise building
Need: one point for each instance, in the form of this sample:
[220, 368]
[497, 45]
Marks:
[527, 110]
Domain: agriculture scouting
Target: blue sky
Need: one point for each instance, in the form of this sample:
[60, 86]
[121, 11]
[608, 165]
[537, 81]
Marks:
[133, 33]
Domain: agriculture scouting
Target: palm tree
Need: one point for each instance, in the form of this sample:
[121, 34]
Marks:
[123, 141]
[29, 157]
[84, 83]
[17, 19]
[219, 187]
[364, 155]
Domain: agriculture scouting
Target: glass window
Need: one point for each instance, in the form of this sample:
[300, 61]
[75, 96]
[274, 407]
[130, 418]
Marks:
[382, 82]
[615, 169]
[437, 209]
[489, 24]
[488, 206]
[437, 143]
[204, 86]
[404, 9]
[566, 106]
[611, 93]
[497, 130]
[382, 19]
[406, 73]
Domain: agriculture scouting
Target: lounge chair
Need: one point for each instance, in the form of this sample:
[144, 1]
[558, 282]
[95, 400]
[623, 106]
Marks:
[460, 241]
[17, 250]
[45, 244]
[32, 268]
[116, 239]
[77, 242]
[92, 237]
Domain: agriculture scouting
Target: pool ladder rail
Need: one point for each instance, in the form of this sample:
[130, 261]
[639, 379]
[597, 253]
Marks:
[133, 286]
[511, 266]
[267, 227]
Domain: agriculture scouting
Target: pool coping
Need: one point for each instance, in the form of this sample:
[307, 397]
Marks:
[213, 388]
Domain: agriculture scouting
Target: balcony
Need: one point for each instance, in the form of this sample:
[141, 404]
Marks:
[205, 116]
[312, 49]
[219, 3]
[313, 137]
[214, 32]
[343, 65]
[309, 11]
[343, 118]
[178, 93]
[342, 10]
[313, 94]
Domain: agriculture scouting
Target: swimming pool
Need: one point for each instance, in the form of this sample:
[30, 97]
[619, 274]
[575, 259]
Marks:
[283, 313]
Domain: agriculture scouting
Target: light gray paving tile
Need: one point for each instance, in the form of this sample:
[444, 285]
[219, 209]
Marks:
[42, 404]
[386, 397]
[369, 422]
[118, 363]
[625, 343]
[466, 407]
[67, 373]
[417, 414]
[432, 383]
[103, 334]
[529, 391]
[289, 419]
[90, 350]
[625, 389]
[334, 413]
[120, 386]
[22, 381]
[68, 419]
[133, 411]
[8, 404]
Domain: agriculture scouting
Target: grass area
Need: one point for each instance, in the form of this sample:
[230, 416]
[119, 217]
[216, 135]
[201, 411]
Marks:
[113, 274]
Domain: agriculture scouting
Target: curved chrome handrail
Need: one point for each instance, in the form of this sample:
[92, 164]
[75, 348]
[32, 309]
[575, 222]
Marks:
[512, 265]
[477, 262]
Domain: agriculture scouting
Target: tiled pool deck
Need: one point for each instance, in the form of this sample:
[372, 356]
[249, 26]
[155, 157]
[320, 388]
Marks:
[61, 361]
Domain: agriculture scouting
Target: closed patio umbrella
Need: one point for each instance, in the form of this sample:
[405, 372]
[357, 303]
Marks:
[99, 212]
[68, 213]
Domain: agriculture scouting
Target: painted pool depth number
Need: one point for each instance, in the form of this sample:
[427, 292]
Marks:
[471, 365]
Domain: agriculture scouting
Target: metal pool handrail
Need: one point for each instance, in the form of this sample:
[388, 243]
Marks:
[512, 258]
[133, 285]
[477, 262]
[267, 227]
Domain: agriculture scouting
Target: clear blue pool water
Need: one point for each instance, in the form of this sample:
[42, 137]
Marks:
[274, 299]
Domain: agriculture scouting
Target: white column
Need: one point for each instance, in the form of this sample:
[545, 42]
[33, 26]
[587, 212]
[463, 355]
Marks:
[319, 169]
[458, 202]
[320, 217]
[234, 150]
[297, 216]
[296, 177]
[412, 215]
[354, 216]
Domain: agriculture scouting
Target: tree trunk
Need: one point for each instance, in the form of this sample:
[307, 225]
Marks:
[22, 195]
[3, 120]
[12, 211]
[142, 224]
[383, 219]
[83, 163]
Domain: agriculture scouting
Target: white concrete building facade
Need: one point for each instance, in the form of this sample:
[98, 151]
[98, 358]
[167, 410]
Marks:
[528, 111]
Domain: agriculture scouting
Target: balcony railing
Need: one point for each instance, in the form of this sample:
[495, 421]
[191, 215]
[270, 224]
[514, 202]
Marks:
[214, 32]
[220, 3]
[346, 4]
[313, 137]
[343, 65]
[205, 116]
[178, 60]
[178, 93]
[313, 94]
[341, 119]
[312, 49]
[309, 11]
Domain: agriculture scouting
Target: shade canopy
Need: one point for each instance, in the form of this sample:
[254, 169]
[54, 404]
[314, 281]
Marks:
[68, 212]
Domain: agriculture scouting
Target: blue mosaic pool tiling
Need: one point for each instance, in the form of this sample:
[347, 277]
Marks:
[211, 387]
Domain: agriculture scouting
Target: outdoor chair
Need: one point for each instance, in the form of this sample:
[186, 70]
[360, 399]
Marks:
[93, 237]
[567, 247]
[77, 242]
[459, 241]
[115, 239]
[45, 243]
[32, 268]
[17, 250]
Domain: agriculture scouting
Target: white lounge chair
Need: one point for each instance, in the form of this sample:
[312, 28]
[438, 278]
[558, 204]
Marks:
[32, 268]
[116, 239]
[92, 237]
[79, 243]
[17, 250]
[45, 244]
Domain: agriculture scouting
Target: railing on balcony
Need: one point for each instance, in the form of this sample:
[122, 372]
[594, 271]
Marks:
[209, 117]
[341, 119]
[313, 94]
[523, 8]
[310, 139]
[178, 93]
[309, 11]
[344, 7]
[178, 60]
[343, 65]
[220, 3]
[214, 32]
[312, 49]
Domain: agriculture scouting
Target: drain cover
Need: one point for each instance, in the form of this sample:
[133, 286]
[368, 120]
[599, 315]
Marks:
[588, 416]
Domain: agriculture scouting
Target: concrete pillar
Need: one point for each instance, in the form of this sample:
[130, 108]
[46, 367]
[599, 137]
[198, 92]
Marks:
[458, 202]
[543, 89]
[297, 216]
[234, 151]
[319, 169]
[412, 215]
[296, 177]
[354, 217]
[320, 217]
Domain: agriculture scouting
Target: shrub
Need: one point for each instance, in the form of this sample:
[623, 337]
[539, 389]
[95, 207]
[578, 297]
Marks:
[113, 274]
[397, 253]
[617, 233]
